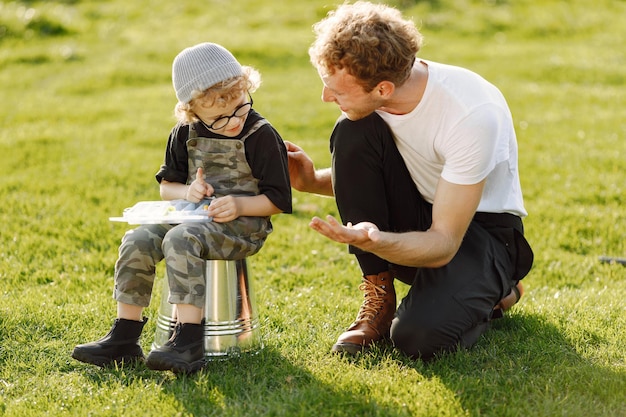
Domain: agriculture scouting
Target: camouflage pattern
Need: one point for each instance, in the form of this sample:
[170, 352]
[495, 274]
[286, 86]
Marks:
[186, 246]
[227, 169]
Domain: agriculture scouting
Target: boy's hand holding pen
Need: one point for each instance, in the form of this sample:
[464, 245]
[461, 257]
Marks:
[199, 188]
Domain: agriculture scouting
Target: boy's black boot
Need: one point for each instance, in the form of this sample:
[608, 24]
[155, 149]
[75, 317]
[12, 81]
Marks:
[121, 344]
[183, 353]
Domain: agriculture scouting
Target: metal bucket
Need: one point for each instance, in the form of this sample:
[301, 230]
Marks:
[231, 324]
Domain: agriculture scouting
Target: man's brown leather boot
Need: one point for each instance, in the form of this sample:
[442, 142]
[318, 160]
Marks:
[509, 301]
[375, 315]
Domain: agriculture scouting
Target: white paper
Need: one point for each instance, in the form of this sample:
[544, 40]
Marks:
[165, 212]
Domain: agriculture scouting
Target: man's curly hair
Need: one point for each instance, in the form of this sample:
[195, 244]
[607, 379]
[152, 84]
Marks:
[373, 42]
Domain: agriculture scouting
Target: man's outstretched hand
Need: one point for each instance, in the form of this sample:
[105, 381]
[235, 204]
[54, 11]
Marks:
[362, 235]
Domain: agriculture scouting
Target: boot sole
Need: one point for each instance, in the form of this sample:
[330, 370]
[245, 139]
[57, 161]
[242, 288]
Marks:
[105, 361]
[163, 364]
[349, 348]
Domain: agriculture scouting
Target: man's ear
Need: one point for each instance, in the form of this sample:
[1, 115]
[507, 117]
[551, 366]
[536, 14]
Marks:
[385, 89]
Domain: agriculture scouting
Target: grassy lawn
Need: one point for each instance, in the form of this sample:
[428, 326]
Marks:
[85, 110]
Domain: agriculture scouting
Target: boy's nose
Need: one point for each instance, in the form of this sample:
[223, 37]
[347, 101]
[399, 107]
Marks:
[234, 121]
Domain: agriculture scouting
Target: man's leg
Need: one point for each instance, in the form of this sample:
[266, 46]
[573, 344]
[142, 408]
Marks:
[450, 307]
[371, 183]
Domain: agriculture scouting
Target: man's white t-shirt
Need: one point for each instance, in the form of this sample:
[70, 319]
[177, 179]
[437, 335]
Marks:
[462, 131]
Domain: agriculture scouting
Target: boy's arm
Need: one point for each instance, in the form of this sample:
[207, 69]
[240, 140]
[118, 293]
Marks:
[227, 208]
[173, 190]
[193, 192]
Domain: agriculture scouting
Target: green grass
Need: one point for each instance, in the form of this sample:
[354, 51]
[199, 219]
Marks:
[86, 106]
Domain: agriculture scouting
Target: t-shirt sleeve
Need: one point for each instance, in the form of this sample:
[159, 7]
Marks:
[175, 164]
[267, 156]
[470, 148]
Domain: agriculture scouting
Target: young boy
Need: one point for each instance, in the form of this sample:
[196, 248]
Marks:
[219, 148]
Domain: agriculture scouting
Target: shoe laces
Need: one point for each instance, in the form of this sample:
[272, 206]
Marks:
[373, 302]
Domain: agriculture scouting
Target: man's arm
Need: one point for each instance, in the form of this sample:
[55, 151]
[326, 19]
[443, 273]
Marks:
[453, 210]
[304, 176]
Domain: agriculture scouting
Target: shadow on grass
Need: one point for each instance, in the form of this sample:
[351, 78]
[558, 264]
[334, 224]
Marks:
[251, 385]
[522, 366]
[268, 384]
[526, 366]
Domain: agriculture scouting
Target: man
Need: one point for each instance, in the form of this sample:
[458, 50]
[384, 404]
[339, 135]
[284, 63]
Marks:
[424, 173]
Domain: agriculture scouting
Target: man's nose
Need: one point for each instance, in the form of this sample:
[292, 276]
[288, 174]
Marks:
[327, 95]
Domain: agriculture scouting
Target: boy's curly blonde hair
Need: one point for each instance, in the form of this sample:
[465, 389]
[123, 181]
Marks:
[373, 42]
[218, 95]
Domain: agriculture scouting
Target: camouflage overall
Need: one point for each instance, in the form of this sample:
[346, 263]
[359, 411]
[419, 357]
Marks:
[186, 246]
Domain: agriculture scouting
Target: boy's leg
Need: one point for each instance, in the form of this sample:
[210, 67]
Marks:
[129, 311]
[186, 247]
[139, 252]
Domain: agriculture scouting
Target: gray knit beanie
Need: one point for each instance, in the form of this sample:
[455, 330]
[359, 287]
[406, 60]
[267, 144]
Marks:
[200, 67]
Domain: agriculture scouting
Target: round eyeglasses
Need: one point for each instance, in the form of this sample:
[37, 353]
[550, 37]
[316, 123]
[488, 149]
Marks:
[221, 122]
